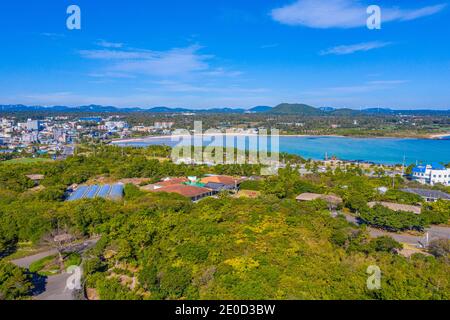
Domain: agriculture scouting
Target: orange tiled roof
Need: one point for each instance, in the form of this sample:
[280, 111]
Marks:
[162, 184]
[171, 182]
[184, 190]
[227, 180]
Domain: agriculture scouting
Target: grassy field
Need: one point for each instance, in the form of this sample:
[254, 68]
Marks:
[73, 259]
[46, 267]
[248, 194]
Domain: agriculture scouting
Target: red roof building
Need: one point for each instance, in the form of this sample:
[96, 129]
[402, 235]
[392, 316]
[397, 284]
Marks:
[191, 192]
[164, 183]
[226, 180]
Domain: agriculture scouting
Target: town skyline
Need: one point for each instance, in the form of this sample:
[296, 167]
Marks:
[226, 54]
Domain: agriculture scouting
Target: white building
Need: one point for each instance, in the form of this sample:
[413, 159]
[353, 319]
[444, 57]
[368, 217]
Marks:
[163, 125]
[431, 174]
[115, 125]
[34, 125]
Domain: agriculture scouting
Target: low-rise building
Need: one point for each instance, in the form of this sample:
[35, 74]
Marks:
[163, 125]
[195, 188]
[431, 174]
[227, 181]
[429, 195]
[36, 178]
[164, 183]
[332, 200]
[192, 192]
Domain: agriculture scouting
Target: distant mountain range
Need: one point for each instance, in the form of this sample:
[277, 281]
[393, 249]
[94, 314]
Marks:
[260, 109]
[281, 109]
[111, 109]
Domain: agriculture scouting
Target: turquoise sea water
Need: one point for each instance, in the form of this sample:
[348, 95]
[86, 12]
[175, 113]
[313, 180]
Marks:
[377, 150]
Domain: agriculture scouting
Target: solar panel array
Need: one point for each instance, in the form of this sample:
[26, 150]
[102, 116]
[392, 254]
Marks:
[104, 191]
[78, 194]
[113, 192]
[92, 192]
[116, 191]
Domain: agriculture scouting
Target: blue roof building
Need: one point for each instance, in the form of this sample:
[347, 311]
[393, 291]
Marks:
[431, 174]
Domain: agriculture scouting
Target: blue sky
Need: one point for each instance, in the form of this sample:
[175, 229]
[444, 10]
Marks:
[229, 53]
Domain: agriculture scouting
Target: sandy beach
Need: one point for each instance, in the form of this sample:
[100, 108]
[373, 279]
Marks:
[439, 135]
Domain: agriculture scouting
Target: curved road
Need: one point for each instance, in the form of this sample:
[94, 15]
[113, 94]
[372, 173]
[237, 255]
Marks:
[54, 287]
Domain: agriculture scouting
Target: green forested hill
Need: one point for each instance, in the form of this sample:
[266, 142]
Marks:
[252, 249]
[297, 109]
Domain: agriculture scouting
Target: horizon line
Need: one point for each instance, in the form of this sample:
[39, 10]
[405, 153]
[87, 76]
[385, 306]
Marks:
[217, 107]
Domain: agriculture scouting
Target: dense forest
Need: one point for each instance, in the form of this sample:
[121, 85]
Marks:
[163, 246]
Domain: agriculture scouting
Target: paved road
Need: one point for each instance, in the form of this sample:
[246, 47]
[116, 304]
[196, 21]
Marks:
[403, 238]
[53, 287]
[27, 261]
[438, 232]
[434, 232]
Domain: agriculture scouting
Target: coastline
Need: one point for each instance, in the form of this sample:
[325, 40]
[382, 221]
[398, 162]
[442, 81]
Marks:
[439, 135]
[219, 134]
[149, 138]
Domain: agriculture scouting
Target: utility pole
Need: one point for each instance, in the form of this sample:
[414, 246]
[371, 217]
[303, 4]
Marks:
[403, 167]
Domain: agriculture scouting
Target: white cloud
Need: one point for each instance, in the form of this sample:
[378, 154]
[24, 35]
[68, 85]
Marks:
[175, 77]
[343, 13]
[107, 44]
[349, 49]
[111, 75]
[174, 62]
[104, 54]
[407, 15]
[387, 82]
[54, 36]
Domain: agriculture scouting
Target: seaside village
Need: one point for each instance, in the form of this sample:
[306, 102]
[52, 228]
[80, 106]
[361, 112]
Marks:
[198, 188]
[56, 138]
